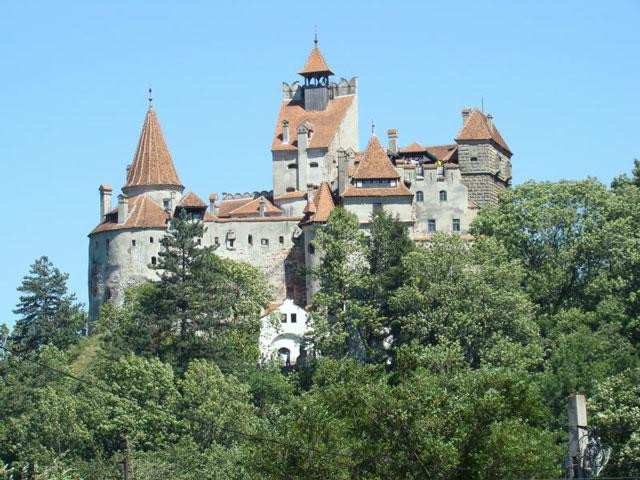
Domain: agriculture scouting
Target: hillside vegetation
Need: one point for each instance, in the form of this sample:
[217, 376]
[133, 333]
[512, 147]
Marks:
[446, 361]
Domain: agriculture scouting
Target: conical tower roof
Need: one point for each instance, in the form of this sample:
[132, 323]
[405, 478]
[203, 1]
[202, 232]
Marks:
[375, 163]
[316, 64]
[152, 164]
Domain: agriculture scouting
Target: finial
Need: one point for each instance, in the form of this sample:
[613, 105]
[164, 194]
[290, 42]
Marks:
[373, 128]
[150, 97]
[315, 35]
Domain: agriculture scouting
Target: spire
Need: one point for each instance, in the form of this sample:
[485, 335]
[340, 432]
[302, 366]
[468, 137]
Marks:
[152, 164]
[150, 98]
[315, 64]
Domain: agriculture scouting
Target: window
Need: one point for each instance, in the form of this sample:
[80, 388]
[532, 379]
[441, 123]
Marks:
[443, 195]
[419, 196]
[283, 318]
[165, 203]
[291, 189]
[230, 243]
[292, 165]
[216, 241]
[250, 239]
[377, 208]
[431, 225]
[133, 243]
[107, 243]
[264, 241]
[281, 240]
[150, 239]
[312, 249]
[294, 318]
[285, 356]
[199, 241]
[474, 159]
[153, 260]
[313, 164]
[455, 225]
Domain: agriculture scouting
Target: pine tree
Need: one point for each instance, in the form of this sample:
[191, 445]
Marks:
[49, 315]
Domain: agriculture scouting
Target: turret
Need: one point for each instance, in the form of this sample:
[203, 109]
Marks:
[316, 74]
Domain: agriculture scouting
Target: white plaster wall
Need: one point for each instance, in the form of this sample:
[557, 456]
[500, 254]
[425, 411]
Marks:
[277, 261]
[276, 334]
[157, 194]
[283, 176]
[363, 207]
[119, 265]
[292, 207]
[456, 205]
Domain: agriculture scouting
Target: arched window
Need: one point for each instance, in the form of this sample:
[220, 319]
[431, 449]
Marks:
[443, 195]
[285, 355]
[419, 196]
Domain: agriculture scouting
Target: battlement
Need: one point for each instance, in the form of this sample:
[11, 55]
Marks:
[247, 195]
[339, 89]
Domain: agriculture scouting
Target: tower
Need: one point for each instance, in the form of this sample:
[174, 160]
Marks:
[316, 118]
[484, 157]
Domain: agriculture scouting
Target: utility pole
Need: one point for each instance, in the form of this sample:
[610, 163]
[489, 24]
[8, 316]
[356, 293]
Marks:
[577, 413]
[125, 462]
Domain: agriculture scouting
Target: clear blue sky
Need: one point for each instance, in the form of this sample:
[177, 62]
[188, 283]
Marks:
[560, 78]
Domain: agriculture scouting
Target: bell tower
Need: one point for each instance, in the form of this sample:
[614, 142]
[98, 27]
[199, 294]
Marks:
[316, 72]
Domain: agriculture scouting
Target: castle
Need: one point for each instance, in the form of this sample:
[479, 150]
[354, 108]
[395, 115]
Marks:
[317, 165]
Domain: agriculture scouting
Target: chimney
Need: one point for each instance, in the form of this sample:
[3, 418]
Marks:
[490, 122]
[105, 201]
[343, 170]
[123, 208]
[465, 115]
[262, 207]
[392, 135]
[212, 204]
[285, 132]
[304, 133]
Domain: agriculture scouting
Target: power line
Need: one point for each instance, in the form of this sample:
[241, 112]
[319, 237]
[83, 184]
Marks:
[162, 409]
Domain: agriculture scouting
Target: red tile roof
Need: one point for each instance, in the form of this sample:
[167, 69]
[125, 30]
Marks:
[412, 148]
[253, 208]
[316, 64]
[143, 213]
[227, 206]
[152, 164]
[275, 218]
[325, 122]
[191, 200]
[322, 204]
[478, 127]
[290, 195]
[375, 163]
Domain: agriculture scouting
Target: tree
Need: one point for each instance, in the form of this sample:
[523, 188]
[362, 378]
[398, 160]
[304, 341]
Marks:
[203, 306]
[48, 315]
[615, 413]
[469, 295]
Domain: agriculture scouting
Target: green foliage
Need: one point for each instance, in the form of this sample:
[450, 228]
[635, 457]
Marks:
[48, 315]
[467, 295]
[617, 420]
[203, 306]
